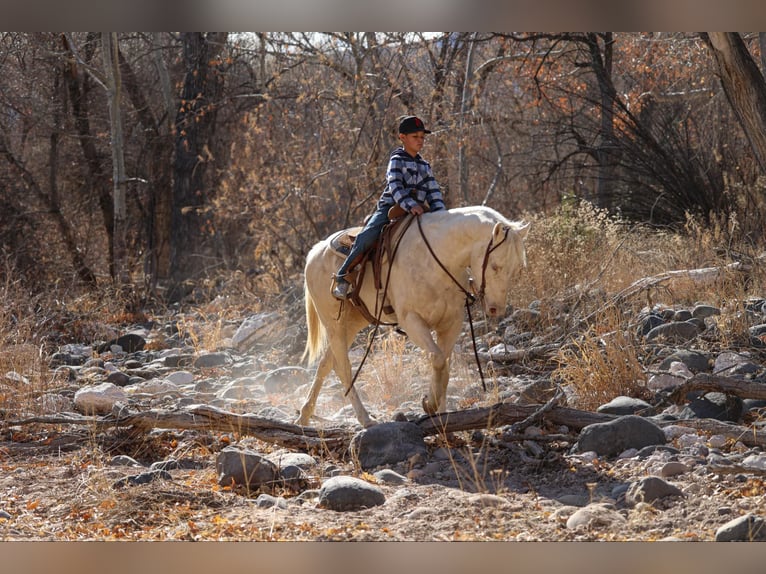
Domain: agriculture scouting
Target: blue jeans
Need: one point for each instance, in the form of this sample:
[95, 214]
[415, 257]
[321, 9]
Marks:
[366, 238]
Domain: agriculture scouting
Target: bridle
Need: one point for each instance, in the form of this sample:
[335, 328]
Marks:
[471, 298]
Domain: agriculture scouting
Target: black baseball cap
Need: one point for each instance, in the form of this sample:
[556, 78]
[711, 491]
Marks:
[412, 124]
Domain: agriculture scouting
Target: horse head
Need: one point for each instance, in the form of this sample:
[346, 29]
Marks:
[504, 255]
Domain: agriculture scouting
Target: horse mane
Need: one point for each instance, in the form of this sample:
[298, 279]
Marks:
[486, 213]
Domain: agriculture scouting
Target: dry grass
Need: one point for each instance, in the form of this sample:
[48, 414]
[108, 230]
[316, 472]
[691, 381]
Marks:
[602, 364]
[580, 257]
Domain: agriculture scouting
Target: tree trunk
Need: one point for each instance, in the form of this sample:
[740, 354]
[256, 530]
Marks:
[191, 219]
[155, 210]
[744, 86]
[602, 66]
[465, 104]
[54, 201]
[114, 91]
[97, 178]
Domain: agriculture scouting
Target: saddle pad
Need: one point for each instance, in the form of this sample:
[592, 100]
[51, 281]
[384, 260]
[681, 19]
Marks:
[342, 241]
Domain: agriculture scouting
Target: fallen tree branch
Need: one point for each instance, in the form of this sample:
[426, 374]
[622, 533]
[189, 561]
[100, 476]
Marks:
[502, 414]
[703, 276]
[749, 436]
[727, 385]
[208, 418]
[205, 417]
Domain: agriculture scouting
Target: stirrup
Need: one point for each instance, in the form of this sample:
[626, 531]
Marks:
[342, 290]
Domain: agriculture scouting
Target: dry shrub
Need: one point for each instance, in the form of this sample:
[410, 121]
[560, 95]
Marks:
[394, 370]
[602, 364]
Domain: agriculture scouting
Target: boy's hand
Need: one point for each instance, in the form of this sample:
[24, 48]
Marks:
[417, 210]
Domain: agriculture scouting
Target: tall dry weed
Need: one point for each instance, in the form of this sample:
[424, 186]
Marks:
[602, 364]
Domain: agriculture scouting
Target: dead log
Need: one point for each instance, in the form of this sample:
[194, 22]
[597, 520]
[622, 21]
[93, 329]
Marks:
[747, 435]
[288, 435]
[208, 418]
[502, 414]
[717, 383]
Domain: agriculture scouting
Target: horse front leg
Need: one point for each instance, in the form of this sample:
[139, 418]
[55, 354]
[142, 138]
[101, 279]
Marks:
[445, 340]
[438, 356]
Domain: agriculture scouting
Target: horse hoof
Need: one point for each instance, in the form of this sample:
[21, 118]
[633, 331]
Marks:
[428, 408]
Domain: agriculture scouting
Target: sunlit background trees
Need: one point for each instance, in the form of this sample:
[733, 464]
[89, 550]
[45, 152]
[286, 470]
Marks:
[241, 150]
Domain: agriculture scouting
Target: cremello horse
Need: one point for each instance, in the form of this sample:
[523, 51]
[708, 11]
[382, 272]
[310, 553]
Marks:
[479, 248]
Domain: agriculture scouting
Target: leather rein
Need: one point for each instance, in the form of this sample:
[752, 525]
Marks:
[470, 298]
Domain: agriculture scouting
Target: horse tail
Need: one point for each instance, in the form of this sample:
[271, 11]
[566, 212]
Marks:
[316, 340]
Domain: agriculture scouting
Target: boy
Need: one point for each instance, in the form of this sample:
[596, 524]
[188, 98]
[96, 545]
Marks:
[409, 182]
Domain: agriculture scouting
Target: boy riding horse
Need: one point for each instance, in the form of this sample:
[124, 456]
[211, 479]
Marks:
[409, 183]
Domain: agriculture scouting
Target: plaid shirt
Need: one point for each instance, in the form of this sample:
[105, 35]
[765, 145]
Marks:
[409, 182]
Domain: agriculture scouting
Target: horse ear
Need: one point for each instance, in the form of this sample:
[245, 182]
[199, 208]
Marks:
[499, 232]
[523, 229]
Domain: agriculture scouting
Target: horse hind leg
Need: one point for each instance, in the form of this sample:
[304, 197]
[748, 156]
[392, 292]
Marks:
[323, 369]
[343, 370]
[342, 367]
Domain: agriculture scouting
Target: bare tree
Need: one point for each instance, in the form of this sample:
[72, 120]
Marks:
[744, 86]
[113, 84]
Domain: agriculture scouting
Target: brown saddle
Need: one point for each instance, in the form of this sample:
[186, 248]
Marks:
[382, 249]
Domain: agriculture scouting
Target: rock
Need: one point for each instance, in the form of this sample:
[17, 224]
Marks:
[717, 406]
[675, 332]
[267, 501]
[623, 406]
[705, 311]
[755, 462]
[388, 476]
[285, 379]
[595, 516]
[207, 360]
[649, 322]
[649, 489]
[696, 361]
[178, 360]
[62, 358]
[98, 399]
[293, 477]
[386, 444]
[673, 468]
[727, 360]
[748, 528]
[486, 500]
[614, 437]
[663, 381]
[129, 343]
[124, 460]
[244, 467]
[153, 387]
[143, 478]
[299, 459]
[180, 378]
[118, 378]
[344, 493]
[682, 315]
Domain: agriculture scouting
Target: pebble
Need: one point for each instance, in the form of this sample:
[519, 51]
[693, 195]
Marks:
[673, 469]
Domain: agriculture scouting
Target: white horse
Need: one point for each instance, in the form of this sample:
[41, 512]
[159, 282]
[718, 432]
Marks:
[474, 250]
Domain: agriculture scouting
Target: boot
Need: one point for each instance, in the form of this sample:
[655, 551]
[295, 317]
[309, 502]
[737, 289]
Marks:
[342, 289]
